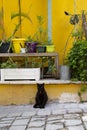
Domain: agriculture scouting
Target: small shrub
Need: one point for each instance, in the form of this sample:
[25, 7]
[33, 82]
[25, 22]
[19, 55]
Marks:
[77, 60]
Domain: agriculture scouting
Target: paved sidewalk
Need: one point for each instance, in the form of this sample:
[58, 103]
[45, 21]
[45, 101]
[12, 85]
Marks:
[55, 116]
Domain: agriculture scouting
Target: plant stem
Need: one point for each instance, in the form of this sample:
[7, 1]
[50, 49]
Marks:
[19, 4]
[3, 31]
[66, 45]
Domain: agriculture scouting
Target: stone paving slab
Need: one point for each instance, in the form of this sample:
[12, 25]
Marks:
[80, 127]
[73, 122]
[74, 110]
[71, 116]
[85, 124]
[36, 124]
[54, 126]
[17, 128]
[58, 111]
[14, 114]
[84, 118]
[38, 118]
[4, 128]
[55, 116]
[28, 113]
[43, 112]
[20, 122]
[41, 128]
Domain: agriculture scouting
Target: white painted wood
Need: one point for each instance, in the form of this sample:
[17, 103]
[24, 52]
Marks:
[2, 75]
[20, 74]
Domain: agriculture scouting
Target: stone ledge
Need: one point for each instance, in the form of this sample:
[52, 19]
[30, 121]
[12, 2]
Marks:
[46, 81]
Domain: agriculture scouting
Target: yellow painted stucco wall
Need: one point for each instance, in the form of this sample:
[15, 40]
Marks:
[61, 27]
[24, 94]
[31, 8]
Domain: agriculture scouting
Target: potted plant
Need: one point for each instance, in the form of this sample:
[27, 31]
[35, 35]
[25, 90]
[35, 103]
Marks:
[64, 68]
[17, 44]
[9, 63]
[41, 35]
[16, 41]
[4, 42]
[31, 45]
[44, 44]
[11, 70]
[49, 46]
[49, 70]
[76, 57]
[77, 34]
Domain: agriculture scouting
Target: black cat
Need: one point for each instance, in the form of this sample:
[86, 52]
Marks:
[41, 97]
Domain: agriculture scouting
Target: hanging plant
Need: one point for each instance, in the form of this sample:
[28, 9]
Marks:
[74, 19]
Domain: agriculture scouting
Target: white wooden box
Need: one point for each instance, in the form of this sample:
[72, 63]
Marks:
[20, 74]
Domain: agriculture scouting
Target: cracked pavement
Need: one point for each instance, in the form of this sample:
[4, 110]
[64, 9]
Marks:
[55, 116]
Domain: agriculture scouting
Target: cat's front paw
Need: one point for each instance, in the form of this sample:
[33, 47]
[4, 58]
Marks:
[36, 106]
[42, 107]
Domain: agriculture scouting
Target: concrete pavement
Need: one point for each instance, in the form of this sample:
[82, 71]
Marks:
[55, 116]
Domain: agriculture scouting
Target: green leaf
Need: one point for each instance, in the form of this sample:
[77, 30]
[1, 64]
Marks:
[22, 14]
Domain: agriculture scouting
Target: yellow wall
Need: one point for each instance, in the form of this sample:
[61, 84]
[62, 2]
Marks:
[61, 27]
[25, 94]
[20, 94]
[30, 7]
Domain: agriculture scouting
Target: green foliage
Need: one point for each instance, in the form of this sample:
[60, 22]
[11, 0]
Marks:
[79, 94]
[41, 33]
[77, 60]
[9, 64]
[14, 31]
[3, 37]
[40, 20]
[74, 19]
[22, 14]
[78, 34]
[1, 21]
[30, 39]
[51, 66]
[82, 90]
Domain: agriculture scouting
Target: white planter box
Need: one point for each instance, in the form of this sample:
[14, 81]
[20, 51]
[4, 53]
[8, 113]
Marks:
[20, 74]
